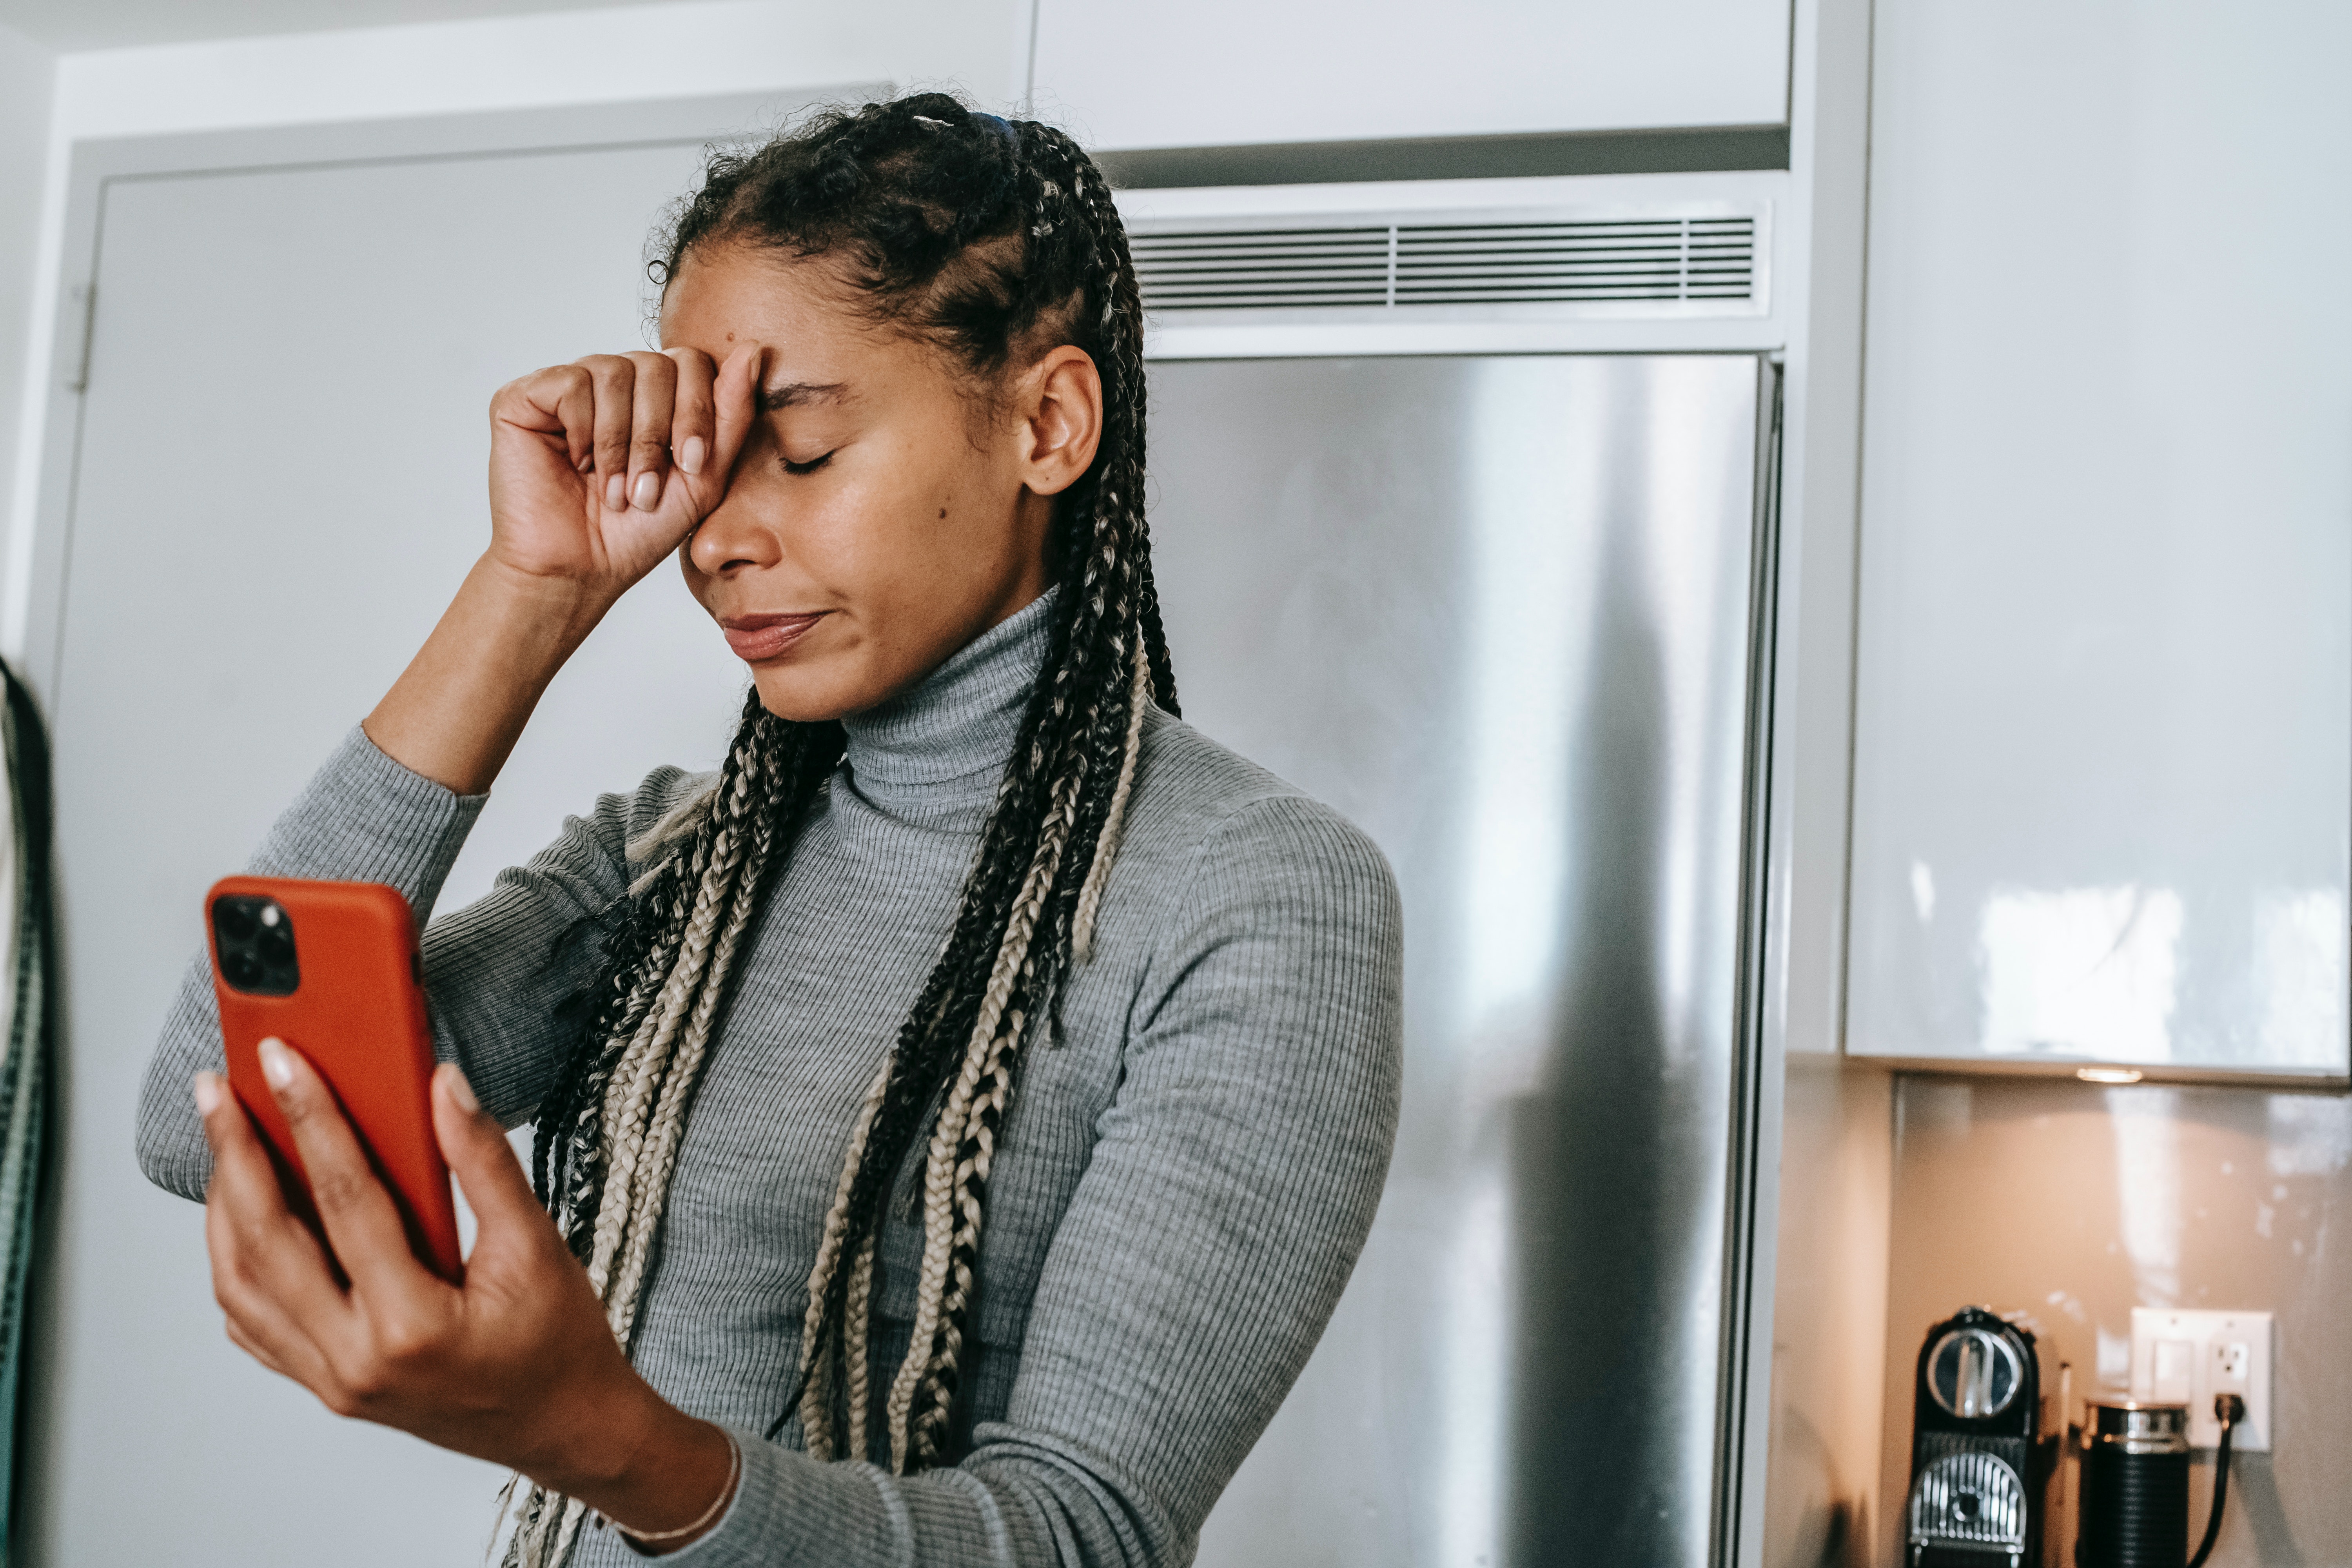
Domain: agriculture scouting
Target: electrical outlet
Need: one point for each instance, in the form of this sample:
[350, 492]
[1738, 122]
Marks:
[2188, 1357]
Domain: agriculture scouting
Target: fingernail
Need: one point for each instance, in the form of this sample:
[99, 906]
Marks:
[616, 492]
[463, 1093]
[277, 1063]
[208, 1093]
[690, 457]
[649, 494]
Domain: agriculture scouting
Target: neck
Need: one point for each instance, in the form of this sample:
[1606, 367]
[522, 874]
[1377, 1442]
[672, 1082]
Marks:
[949, 736]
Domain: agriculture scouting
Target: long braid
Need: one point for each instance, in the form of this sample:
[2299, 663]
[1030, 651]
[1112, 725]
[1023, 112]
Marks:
[607, 1158]
[996, 240]
[1079, 725]
[964, 1144]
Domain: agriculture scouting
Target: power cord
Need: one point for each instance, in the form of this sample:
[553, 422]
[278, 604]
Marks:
[2229, 1410]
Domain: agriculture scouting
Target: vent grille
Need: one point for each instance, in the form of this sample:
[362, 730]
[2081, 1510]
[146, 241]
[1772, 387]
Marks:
[1681, 261]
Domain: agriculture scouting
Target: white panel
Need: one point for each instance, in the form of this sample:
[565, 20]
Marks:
[27, 72]
[1144, 73]
[280, 484]
[76, 25]
[2104, 771]
[693, 48]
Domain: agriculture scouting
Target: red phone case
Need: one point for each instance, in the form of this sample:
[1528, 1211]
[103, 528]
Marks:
[357, 1015]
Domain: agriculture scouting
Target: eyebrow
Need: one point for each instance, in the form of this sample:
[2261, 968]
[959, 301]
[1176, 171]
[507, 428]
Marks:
[795, 394]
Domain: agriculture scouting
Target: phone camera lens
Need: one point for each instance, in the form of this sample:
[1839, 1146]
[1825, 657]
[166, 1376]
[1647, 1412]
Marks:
[255, 937]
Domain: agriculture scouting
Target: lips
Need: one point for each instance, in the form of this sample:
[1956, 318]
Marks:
[756, 638]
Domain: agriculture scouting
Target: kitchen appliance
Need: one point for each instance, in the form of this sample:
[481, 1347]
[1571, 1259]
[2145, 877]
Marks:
[2134, 1486]
[1977, 1465]
[1502, 611]
[2135, 1483]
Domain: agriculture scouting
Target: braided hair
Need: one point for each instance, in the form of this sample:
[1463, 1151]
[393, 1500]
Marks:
[993, 240]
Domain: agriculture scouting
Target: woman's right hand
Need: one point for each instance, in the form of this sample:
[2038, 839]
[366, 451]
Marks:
[602, 467]
[598, 470]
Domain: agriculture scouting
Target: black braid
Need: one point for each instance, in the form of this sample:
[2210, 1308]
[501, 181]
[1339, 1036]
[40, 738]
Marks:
[567, 1153]
[995, 241]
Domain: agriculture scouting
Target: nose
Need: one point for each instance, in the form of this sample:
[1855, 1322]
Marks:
[731, 537]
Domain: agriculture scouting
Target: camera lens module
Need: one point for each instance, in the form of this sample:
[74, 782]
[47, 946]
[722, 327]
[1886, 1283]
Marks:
[254, 938]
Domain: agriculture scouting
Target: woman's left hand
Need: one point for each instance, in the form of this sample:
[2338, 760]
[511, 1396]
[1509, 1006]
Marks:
[516, 1366]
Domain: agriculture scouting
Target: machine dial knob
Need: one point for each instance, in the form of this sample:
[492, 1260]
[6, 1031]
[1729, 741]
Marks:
[1974, 1372]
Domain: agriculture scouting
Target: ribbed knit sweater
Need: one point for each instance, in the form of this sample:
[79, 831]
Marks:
[1182, 1184]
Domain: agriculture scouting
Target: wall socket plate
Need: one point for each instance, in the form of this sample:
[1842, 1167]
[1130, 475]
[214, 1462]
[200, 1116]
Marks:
[2188, 1357]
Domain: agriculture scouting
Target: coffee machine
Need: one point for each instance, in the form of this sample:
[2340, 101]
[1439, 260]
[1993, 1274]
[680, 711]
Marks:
[1976, 1462]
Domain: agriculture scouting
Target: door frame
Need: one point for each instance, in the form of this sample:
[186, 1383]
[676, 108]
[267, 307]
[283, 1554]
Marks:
[96, 165]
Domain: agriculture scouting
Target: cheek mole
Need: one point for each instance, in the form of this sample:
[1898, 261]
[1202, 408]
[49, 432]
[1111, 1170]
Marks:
[943, 511]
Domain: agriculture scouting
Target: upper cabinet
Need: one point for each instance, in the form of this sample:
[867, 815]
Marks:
[2103, 774]
[1132, 74]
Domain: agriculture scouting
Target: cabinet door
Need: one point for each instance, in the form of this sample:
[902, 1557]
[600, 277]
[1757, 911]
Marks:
[2104, 767]
[1137, 73]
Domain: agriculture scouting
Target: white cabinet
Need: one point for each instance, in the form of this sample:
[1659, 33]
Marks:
[1147, 73]
[2103, 729]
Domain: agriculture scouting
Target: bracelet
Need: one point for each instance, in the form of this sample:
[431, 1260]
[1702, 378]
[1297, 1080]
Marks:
[717, 1504]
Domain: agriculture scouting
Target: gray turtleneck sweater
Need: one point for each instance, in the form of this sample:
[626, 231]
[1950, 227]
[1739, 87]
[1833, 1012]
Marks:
[1183, 1183]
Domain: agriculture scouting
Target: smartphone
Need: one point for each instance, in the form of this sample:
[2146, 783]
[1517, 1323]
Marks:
[331, 969]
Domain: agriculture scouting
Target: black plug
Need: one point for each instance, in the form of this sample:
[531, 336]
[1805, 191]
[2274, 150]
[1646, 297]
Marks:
[2229, 1410]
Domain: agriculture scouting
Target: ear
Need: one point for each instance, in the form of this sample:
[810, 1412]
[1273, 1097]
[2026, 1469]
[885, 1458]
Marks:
[1061, 419]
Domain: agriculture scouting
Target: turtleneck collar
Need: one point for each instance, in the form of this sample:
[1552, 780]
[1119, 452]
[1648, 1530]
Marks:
[958, 724]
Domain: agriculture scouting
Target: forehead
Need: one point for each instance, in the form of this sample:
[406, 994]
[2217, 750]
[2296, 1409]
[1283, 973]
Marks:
[725, 295]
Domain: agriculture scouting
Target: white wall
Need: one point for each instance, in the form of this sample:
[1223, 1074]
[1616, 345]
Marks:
[26, 74]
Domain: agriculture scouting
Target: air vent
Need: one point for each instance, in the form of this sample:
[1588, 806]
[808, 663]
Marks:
[1687, 265]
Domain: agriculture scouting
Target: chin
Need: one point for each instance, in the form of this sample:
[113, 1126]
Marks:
[810, 697]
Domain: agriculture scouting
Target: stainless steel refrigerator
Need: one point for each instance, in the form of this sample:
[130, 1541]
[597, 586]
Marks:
[1504, 612]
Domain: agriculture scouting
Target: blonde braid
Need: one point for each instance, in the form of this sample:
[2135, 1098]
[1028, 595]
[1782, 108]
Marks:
[935, 1397]
[669, 1114]
[635, 1090]
[816, 1408]
[644, 1108]
[941, 1174]
[567, 1531]
[857, 1320]
[624, 1094]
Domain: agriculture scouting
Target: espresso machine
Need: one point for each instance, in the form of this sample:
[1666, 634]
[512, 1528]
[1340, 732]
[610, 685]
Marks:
[1978, 1462]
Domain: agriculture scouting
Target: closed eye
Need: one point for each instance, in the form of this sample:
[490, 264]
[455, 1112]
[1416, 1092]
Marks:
[812, 466]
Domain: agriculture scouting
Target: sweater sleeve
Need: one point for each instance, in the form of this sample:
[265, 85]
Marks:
[1234, 1180]
[497, 973]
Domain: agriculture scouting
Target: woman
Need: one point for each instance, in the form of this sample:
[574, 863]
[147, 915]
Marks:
[983, 1077]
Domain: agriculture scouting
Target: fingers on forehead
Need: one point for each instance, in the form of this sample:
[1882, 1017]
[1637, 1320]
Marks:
[655, 389]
